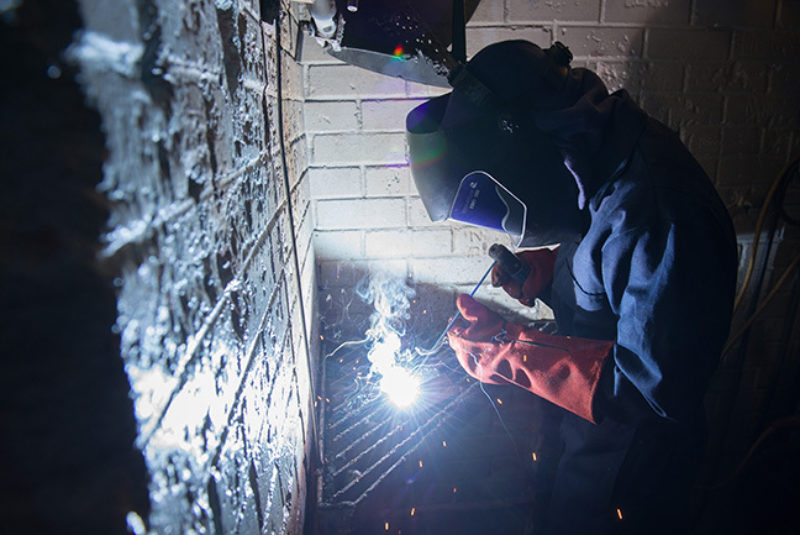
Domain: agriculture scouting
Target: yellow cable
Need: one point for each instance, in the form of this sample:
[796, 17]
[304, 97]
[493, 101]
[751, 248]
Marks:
[759, 224]
[733, 339]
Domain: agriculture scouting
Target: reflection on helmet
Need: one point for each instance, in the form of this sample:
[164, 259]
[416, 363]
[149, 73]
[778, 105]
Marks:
[484, 202]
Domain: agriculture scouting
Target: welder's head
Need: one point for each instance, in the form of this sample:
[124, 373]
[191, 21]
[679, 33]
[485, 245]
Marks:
[477, 156]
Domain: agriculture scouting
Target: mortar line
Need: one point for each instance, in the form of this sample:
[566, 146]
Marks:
[174, 210]
[250, 358]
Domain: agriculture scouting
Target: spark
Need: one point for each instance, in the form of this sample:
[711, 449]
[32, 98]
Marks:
[619, 513]
[444, 443]
[533, 454]
[386, 526]
[413, 510]
[499, 401]
[400, 386]
[420, 463]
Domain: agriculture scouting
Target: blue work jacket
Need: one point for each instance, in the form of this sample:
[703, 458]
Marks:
[655, 271]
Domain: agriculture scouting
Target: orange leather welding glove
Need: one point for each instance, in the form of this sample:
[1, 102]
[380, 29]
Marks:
[563, 370]
[540, 262]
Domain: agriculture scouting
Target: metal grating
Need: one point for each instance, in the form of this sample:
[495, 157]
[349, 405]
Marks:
[453, 463]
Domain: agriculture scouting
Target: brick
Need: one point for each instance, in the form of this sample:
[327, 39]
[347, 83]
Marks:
[313, 54]
[740, 140]
[470, 240]
[327, 182]
[756, 110]
[360, 214]
[450, 270]
[650, 12]
[405, 243]
[387, 115]
[727, 77]
[487, 12]
[297, 160]
[347, 81]
[251, 47]
[766, 45]
[292, 81]
[417, 216]
[294, 126]
[663, 76]
[338, 244]
[431, 242]
[330, 116]
[681, 110]
[480, 37]
[621, 75]
[697, 108]
[388, 244]
[385, 181]
[701, 45]
[748, 170]
[777, 143]
[783, 80]
[548, 10]
[358, 148]
[602, 42]
[715, 13]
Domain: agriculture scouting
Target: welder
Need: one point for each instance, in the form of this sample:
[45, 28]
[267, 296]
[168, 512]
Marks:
[624, 237]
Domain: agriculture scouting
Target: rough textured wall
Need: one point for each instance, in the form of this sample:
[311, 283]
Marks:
[723, 74]
[202, 236]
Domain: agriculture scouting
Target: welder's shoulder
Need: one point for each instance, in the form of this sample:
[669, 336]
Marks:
[664, 185]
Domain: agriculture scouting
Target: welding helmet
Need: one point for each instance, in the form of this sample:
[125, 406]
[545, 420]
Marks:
[477, 156]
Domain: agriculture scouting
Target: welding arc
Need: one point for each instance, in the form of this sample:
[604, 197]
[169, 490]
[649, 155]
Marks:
[438, 344]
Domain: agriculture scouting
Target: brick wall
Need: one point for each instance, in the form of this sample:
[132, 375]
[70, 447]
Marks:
[206, 236]
[723, 74]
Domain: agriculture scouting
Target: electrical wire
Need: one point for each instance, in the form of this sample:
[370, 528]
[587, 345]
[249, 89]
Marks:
[774, 187]
[757, 234]
[773, 292]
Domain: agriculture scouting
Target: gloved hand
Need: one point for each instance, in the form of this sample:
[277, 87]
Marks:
[540, 262]
[562, 370]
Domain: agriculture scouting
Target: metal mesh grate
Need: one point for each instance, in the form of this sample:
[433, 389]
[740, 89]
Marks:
[454, 461]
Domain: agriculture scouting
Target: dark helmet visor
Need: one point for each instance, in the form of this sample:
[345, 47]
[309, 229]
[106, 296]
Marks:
[483, 201]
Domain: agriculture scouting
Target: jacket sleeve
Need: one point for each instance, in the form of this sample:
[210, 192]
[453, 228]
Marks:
[671, 287]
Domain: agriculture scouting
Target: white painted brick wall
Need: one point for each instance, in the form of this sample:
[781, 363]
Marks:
[723, 76]
[360, 214]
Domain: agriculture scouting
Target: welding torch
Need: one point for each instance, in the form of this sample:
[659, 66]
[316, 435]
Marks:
[509, 262]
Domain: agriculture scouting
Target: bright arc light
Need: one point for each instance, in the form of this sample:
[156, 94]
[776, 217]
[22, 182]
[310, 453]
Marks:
[400, 386]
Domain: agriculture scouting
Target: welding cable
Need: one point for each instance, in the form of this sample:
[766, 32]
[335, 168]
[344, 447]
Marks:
[315, 447]
[784, 276]
[438, 344]
[759, 226]
[778, 187]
